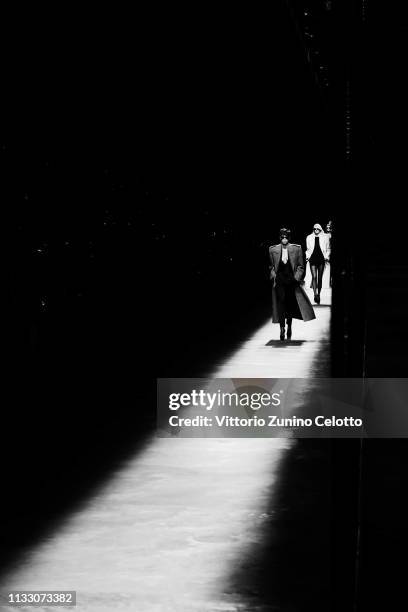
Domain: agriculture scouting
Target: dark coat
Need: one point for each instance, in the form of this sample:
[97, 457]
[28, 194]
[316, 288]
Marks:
[295, 257]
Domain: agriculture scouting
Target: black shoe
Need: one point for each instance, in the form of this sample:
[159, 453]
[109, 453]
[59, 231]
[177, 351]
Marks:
[289, 332]
[317, 299]
[282, 333]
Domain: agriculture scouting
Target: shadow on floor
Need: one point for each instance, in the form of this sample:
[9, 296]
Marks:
[291, 568]
[384, 531]
[285, 343]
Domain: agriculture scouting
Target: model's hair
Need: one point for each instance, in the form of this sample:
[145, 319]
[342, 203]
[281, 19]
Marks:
[318, 225]
[284, 231]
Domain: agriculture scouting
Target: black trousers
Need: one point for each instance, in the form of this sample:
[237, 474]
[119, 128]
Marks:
[287, 303]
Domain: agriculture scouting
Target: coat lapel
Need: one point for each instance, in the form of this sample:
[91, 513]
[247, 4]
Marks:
[277, 256]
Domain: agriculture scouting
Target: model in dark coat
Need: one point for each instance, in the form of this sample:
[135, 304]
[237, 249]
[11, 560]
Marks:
[289, 300]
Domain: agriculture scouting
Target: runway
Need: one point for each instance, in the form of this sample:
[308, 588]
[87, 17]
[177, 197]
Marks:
[168, 530]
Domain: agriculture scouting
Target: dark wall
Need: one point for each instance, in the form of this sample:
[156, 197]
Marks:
[147, 177]
[382, 101]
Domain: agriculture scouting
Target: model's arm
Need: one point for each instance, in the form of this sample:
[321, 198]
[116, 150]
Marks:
[309, 249]
[272, 266]
[328, 248]
[300, 268]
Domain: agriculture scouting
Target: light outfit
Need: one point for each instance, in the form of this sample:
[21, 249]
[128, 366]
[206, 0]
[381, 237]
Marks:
[324, 241]
[325, 249]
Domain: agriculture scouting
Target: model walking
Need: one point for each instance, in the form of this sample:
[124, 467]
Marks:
[317, 254]
[289, 301]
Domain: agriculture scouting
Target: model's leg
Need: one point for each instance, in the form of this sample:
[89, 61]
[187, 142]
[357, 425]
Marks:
[313, 270]
[289, 330]
[280, 295]
[320, 270]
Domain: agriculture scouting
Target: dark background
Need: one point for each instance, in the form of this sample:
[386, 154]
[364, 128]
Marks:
[148, 160]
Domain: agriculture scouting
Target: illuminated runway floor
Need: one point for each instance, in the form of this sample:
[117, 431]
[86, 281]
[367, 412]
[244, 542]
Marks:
[166, 532]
